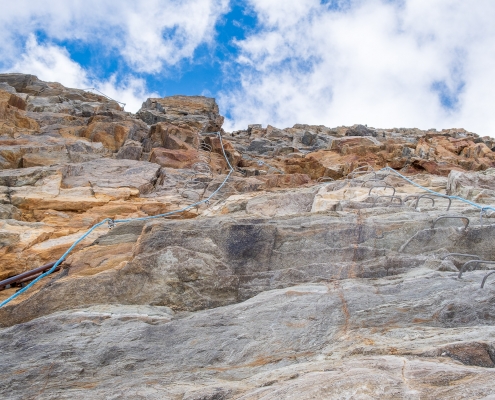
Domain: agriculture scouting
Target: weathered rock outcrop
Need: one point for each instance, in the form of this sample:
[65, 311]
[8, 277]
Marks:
[478, 187]
[310, 274]
[196, 113]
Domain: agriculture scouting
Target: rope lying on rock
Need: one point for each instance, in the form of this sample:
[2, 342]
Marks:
[112, 223]
[478, 206]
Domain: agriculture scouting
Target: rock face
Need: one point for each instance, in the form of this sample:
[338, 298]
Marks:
[311, 273]
[193, 112]
[479, 187]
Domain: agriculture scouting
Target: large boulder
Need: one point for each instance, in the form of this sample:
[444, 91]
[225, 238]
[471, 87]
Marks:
[199, 112]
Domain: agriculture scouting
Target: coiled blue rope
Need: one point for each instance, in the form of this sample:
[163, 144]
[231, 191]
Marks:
[112, 222]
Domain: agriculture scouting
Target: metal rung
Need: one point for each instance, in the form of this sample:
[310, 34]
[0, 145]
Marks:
[466, 219]
[429, 196]
[415, 196]
[484, 279]
[461, 255]
[385, 185]
[472, 262]
[9, 282]
[388, 197]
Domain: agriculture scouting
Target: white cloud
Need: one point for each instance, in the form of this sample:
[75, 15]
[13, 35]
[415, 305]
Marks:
[374, 62]
[50, 63]
[148, 34]
[53, 64]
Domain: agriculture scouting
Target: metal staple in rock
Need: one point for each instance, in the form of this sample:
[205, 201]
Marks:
[384, 185]
[461, 255]
[429, 196]
[415, 196]
[472, 203]
[464, 266]
[485, 278]
[392, 198]
[112, 222]
[452, 217]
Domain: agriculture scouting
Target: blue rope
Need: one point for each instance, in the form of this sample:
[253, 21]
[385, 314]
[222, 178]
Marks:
[479, 206]
[54, 265]
[206, 201]
[110, 221]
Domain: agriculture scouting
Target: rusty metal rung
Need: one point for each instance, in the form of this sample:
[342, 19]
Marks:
[415, 196]
[27, 275]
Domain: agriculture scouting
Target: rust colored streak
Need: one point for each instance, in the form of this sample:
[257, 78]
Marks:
[345, 309]
[359, 231]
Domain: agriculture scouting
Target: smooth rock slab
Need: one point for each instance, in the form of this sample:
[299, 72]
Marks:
[300, 342]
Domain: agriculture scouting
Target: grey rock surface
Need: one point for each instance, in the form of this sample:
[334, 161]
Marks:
[300, 279]
[307, 341]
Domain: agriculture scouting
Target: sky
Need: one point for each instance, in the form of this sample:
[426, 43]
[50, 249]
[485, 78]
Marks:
[383, 63]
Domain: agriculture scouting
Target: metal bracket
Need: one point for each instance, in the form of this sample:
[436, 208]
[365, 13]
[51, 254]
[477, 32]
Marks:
[461, 255]
[484, 279]
[389, 197]
[385, 185]
[430, 195]
[471, 262]
[466, 219]
[415, 196]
